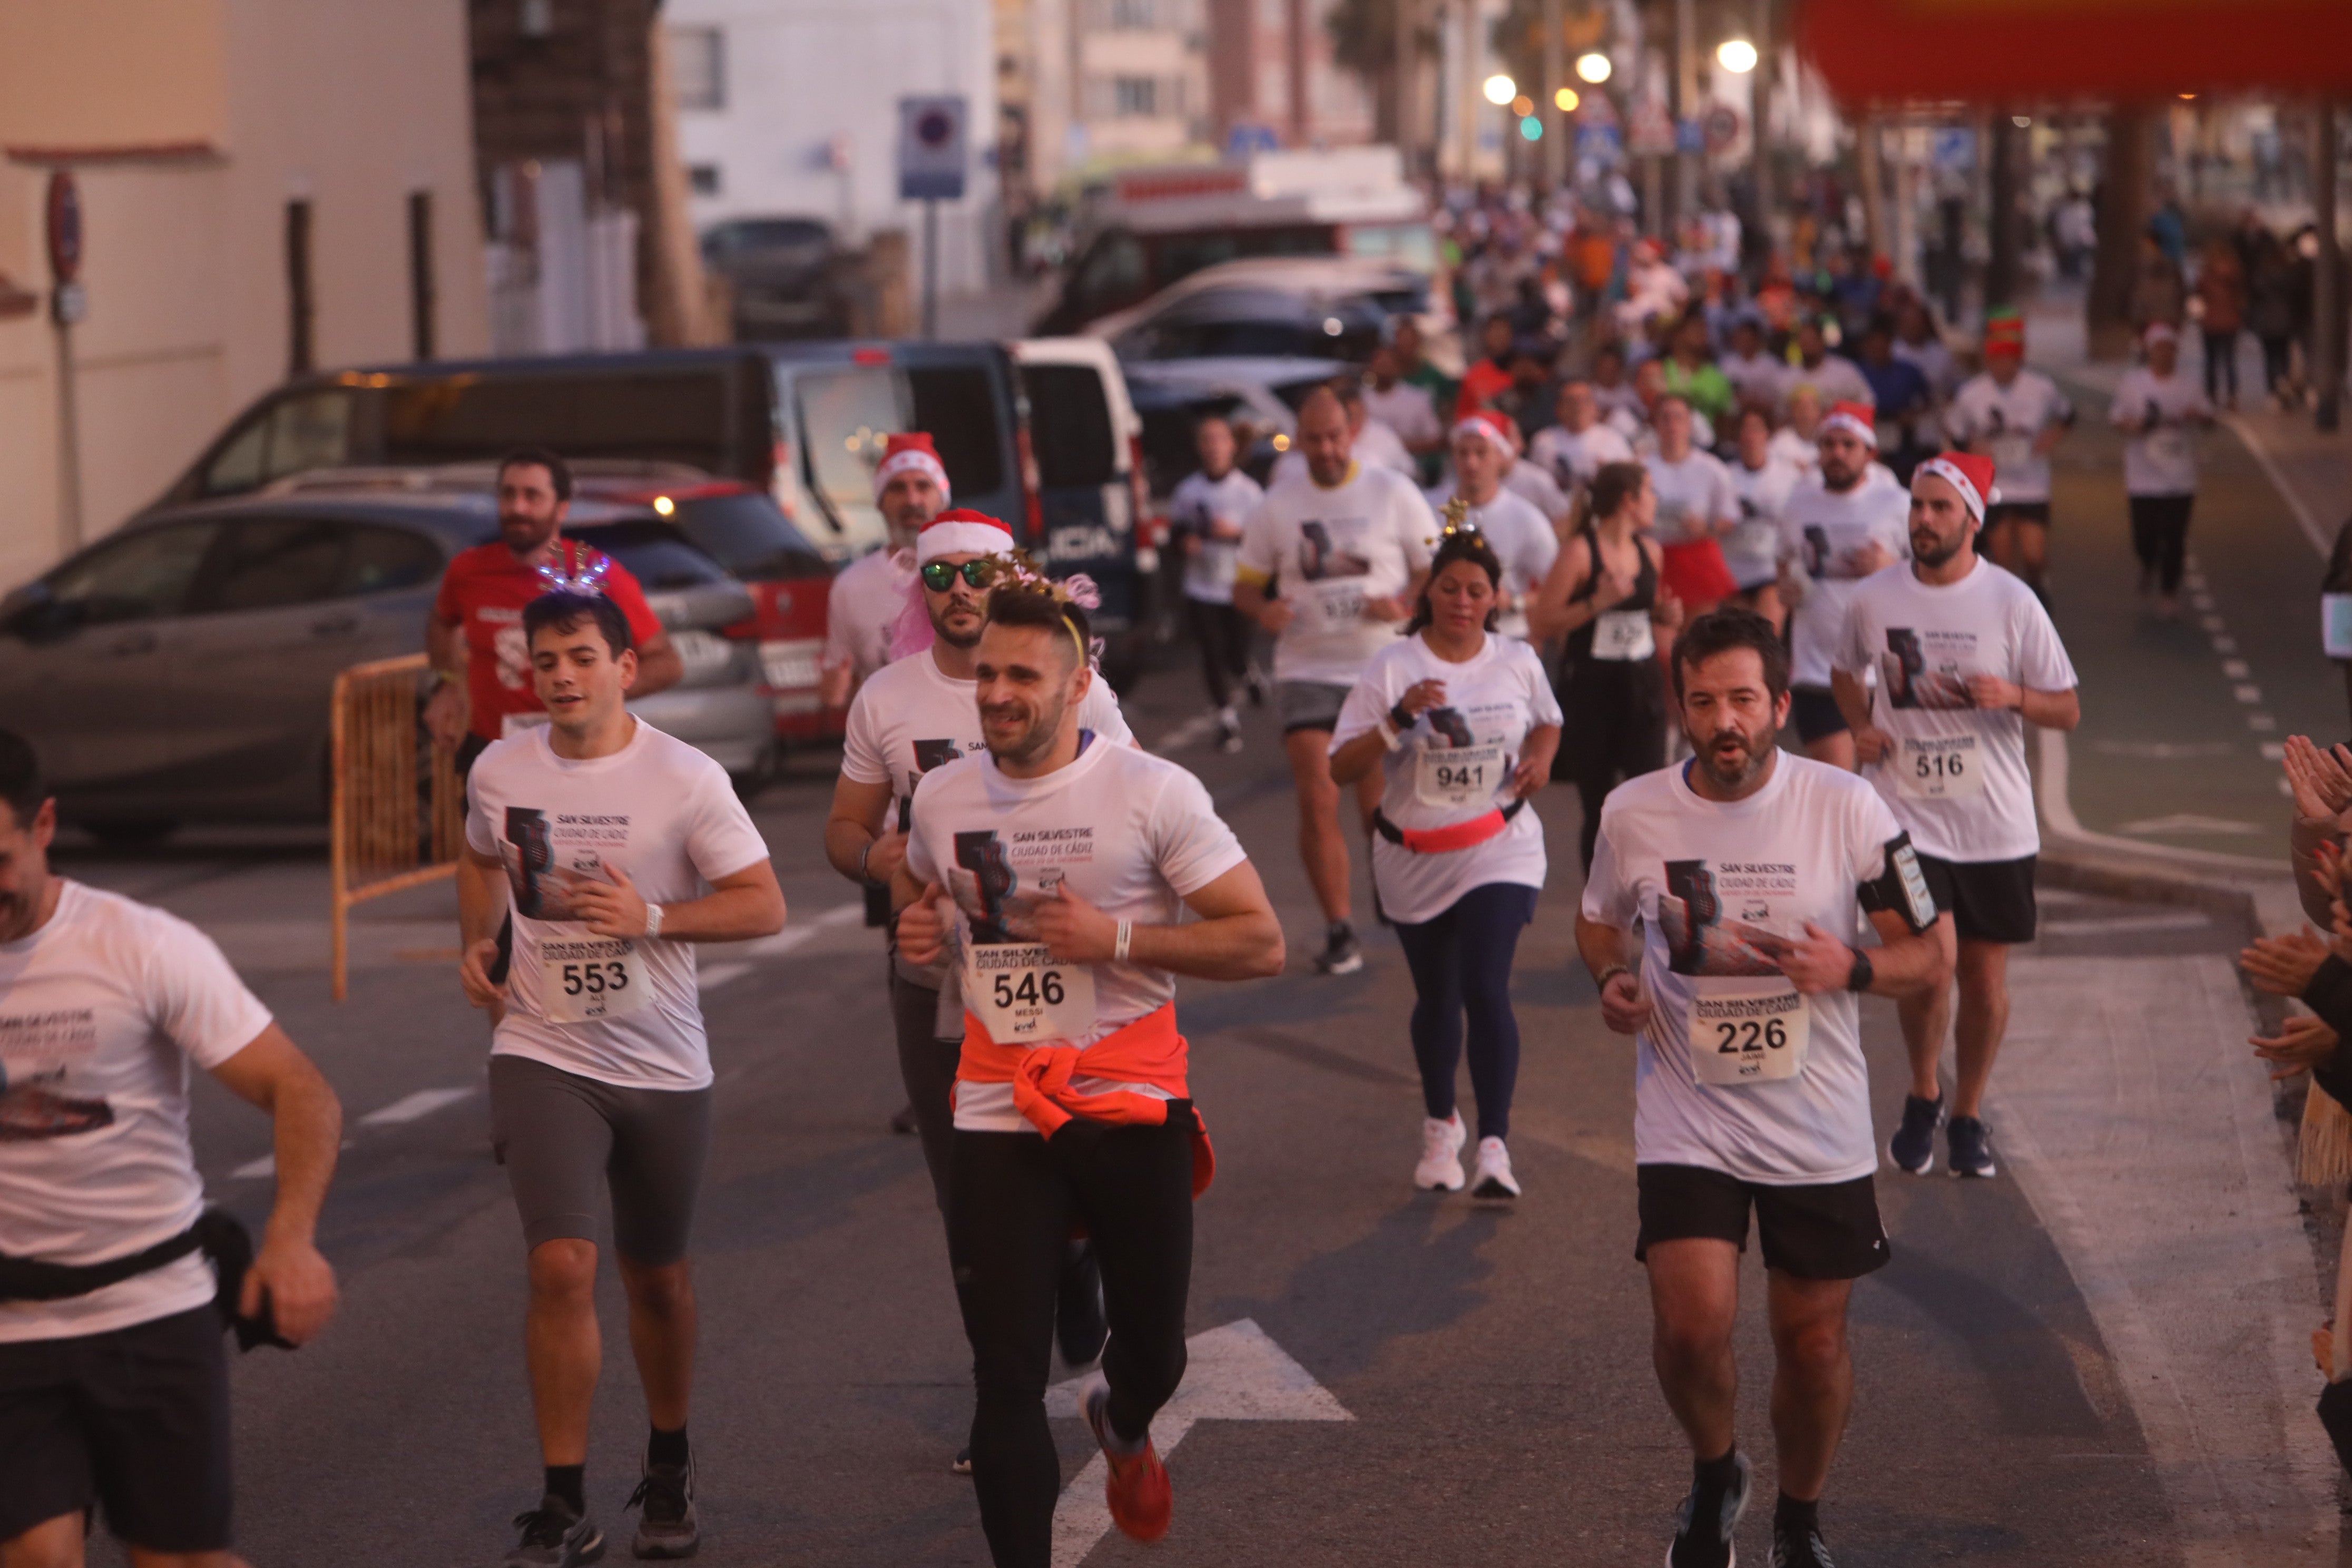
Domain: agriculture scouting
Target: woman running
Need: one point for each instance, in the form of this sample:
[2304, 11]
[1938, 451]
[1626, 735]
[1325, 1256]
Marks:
[1464, 723]
[1603, 595]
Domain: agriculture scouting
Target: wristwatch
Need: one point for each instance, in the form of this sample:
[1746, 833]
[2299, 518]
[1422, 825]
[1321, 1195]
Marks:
[1401, 718]
[1859, 977]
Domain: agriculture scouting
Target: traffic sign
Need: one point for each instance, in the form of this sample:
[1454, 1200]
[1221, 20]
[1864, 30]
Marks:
[64, 227]
[933, 148]
[1690, 136]
[1245, 139]
[1722, 123]
[1955, 149]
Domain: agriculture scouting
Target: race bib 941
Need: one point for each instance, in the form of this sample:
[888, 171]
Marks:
[1024, 995]
[590, 979]
[1748, 1031]
[1460, 775]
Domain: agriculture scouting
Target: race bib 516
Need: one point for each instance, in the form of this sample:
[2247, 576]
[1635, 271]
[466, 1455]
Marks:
[1939, 767]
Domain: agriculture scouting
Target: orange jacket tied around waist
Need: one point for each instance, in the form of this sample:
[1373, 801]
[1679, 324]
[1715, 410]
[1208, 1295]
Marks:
[1148, 1051]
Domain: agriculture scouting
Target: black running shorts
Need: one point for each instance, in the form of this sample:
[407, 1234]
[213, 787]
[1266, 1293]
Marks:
[1826, 1232]
[1815, 713]
[2034, 512]
[1990, 901]
[562, 1137]
[133, 1422]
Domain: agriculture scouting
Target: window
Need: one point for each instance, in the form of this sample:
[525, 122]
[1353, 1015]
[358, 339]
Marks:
[1134, 96]
[133, 577]
[847, 417]
[697, 66]
[1137, 15]
[269, 563]
[702, 179]
[380, 560]
[1070, 423]
[310, 430]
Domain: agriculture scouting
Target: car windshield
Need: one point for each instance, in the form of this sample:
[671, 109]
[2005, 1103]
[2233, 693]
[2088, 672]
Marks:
[848, 416]
[747, 533]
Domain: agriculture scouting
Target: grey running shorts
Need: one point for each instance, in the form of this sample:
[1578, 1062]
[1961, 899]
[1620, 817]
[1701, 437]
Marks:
[1308, 704]
[560, 1136]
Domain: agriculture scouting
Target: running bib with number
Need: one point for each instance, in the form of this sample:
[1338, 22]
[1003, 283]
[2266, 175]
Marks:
[1023, 995]
[1332, 606]
[1623, 636]
[2011, 449]
[1459, 776]
[590, 979]
[1939, 767]
[2169, 444]
[1748, 1031]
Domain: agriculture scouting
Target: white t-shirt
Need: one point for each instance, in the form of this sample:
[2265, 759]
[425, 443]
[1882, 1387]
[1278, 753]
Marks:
[1533, 485]
[1752, 549]
[1523, 540]
[2160, 459]
[1406, 409]
[1375, 446]
[1837, 380]
[1957, 776]
[2006, 421]
[1755, 378]
[1793, 449]
[657, 809]
[1821, 533]
[1327, 551]
[864, 602]
[1573, 457]
[102, 1010]
[1491, 703]
[1208, 572]
[1132, 834]
[1693, 495]
[1718, 886]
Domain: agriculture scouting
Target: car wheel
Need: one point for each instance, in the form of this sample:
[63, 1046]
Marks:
[130, 832]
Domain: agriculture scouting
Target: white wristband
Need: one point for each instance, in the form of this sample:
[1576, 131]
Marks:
[1119, 947]
[652, 921]
[1390, 737]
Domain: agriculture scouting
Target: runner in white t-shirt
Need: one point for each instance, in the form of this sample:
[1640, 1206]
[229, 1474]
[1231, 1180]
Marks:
[1460, 723]
[1520, 536]
[1798, 442]
[1057, 868]
[2162, 410]
[1744, 868]
[114, 1388]
[1347, 549]
[1760, 484]
[1208, 511]
[619, 846]
[910, 487]
[1966, 657]
[1573, 450]
[1697, 510]
[1836, 528]
[2017, 417]
[1369, 441]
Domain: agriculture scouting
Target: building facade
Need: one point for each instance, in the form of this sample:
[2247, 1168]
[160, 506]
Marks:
[1272, 75]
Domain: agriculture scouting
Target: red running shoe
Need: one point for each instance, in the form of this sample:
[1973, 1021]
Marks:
[1142, 1500]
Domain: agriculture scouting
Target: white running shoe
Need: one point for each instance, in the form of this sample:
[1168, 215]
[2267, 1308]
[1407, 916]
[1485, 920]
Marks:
[1495, 1178]
[1441, 1154]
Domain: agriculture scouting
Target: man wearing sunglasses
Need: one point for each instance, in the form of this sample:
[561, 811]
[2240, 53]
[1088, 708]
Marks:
[913, 715]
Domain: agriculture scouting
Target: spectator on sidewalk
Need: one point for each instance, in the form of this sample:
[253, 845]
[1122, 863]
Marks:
[2270, 314]
[2157, 294]
[2221, 290]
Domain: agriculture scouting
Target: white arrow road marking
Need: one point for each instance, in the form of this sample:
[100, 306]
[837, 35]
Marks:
[1236, 1373]
[714, 975]
[415, 1107]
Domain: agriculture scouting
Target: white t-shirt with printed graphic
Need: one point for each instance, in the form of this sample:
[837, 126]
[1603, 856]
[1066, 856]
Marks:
[1199, 502]
[1719, 886]
[2006, 421]
[1491, 703]
[2160, 457]
[1132, 834]
[618, 1010]
[1693, 495]
[1522, 539]
[1822, 535]
[1327, 551]
[1574, 457]
[101, 1011]
[1752, 549]
[1957, 776]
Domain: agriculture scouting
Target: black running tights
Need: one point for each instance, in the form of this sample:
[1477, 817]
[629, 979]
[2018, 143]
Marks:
[1012, 1200]
[2159, 526]
[1460, 963]
[1223, 633]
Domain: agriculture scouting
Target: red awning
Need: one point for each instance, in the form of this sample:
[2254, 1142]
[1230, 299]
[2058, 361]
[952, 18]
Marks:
[1890, 51]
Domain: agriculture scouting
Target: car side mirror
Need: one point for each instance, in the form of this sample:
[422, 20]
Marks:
[35, 615]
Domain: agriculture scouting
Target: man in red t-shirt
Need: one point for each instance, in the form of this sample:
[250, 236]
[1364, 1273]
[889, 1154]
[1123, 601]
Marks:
[474, 636]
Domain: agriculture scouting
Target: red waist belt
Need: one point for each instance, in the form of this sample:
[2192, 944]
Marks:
[1148, 1051]
[1455, 836]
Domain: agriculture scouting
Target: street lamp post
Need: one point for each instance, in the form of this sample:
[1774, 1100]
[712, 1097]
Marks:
[1555, 149]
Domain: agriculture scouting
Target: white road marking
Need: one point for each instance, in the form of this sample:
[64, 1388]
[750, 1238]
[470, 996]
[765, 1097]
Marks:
[2320, 538]
[2225, 644]
[2262, 722]
[415, 1107]
[2212, 623]
[254, 1170]
[2119, 925]
[792, 938]
[1191, 732]
[1235, 1373]
[2250, 695]
[2274, 750]
[2163, 751]
[2058, 811]
[2236, 669]
[2187, 822]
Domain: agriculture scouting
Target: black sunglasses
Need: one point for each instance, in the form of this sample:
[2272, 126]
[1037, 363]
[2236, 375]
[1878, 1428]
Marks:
[939, 575]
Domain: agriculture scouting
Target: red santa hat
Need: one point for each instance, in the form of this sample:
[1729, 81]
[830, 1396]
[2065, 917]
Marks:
[961, 532]
[910, 452]
[1966, 473]
[1859, 418]
[1488, 423]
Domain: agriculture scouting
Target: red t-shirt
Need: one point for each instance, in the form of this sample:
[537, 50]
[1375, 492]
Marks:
[1480, 383]
[485, 591]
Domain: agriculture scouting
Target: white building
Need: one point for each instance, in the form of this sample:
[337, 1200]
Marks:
[1108, 82]
[789, 108]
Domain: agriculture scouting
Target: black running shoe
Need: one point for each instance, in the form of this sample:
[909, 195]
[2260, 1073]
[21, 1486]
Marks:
[961, 1464]
[668, 1527]
[903, 1123]
[1341, 953]
[554, 1537]
[1971, 1144]
[1912, 1147]
[1078, 1324]
[1707, 1543]
[1799, 1547]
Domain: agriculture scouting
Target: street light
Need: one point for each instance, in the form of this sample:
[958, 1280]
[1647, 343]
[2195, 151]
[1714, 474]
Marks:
[1567, 100]
[1593, 67]
[1736, 56]
[1531, 128]
[1523, 106]
[1500, 90]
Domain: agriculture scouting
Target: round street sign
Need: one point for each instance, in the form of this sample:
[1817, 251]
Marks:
[935, 128]
[64, 227]
[1722, 127]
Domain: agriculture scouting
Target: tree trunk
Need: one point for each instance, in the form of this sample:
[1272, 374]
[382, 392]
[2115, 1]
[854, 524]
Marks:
[2126, 174]
[2004, 277]
[678, 314]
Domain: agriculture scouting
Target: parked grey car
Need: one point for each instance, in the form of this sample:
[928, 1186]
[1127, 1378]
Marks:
[179, 670]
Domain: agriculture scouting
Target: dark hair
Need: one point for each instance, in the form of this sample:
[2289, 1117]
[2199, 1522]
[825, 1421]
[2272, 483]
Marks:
[1462, 545]
[564, 610]
[1205, 420]
[1614, 484]
[559, 472]
[20, 778]
[1014, 605]
[1727, 631]
[1750, 409]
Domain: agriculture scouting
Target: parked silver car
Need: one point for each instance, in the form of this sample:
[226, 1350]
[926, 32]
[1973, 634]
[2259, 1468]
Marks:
[179, 670]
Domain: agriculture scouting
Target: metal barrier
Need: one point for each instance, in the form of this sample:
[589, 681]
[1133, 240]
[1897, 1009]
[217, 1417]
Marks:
[398, 813]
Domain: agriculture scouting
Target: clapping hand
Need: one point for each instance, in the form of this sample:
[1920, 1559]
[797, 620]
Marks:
[2302, 1043]
[2284, 965]
[2322, 780]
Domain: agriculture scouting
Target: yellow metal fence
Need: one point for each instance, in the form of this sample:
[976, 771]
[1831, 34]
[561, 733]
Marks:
[398, 810]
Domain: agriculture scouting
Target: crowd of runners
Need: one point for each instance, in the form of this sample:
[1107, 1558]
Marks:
[1635, 581]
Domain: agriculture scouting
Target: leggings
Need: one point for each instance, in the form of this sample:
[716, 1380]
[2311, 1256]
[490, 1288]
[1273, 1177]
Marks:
[2159, 526]
[1012, 1198]
[1615, 727]
[926, 1064]
[2221, 362]
[2277, 365]
[1223, 633]
[1460, 963]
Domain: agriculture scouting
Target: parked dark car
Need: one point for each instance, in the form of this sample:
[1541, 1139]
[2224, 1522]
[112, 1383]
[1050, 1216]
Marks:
[785, 275]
